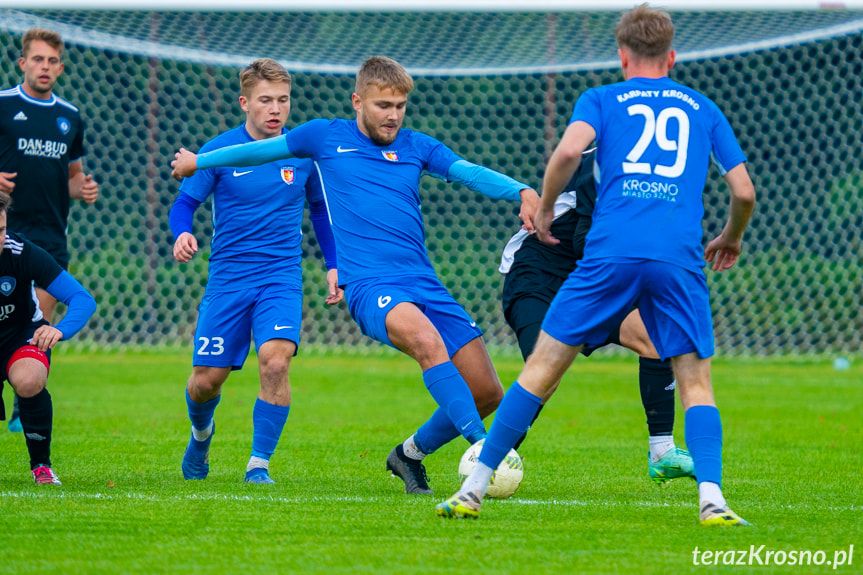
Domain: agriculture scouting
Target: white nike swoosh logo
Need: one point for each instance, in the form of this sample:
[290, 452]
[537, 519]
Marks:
[238, 174]
[279, 327]
[342, 150]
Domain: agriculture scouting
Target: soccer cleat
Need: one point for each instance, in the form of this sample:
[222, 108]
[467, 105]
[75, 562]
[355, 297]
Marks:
[14, 424]
[44, 475]
[459, 507]
[260, 476]
[720, 516]
[196, 459]
[411, 471]
[675, 463]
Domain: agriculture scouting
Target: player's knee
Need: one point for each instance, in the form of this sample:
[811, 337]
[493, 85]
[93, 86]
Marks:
[274, 367]
[488, 399]
[29, 383]
[427, 347]
[205, 383]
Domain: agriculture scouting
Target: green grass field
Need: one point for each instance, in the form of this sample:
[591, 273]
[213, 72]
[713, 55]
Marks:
[793, 468]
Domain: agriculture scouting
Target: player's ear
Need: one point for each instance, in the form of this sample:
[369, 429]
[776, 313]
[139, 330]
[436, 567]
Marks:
[356, 101]
[21, 61]
[672, 57]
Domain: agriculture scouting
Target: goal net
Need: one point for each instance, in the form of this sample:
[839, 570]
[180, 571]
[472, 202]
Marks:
[496, 85]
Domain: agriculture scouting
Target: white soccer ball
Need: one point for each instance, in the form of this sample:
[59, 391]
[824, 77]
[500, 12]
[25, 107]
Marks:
[505, 479]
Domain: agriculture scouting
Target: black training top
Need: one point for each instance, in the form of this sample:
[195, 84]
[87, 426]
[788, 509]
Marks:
[22, 263]
[38, 140]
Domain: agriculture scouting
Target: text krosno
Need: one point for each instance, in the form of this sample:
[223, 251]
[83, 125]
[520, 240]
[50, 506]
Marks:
[762, 556]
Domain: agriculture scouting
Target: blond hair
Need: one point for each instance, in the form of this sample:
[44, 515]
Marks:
[50, 37]
[264, 69]
[383, 72]
[647, 32]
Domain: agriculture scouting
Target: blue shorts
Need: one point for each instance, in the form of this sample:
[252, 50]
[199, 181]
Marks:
[227, 321]
[370, 301]
[674, 304]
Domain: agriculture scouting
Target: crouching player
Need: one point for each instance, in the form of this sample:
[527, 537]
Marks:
[26, 338]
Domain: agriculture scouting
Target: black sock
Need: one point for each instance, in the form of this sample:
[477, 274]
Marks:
[522, 438]
[37, 418]
[654, 376]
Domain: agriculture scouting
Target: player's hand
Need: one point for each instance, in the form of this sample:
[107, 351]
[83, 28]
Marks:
[185, 164]
[336, 294]
[185, 247]
[542, 221]
[723, 252]
[46, 337]
[89, 190]
[6, 183]
[529, 205]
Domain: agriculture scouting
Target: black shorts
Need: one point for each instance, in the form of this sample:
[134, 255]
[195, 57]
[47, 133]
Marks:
[536, 275]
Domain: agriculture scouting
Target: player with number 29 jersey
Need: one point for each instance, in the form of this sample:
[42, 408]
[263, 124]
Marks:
[659, 135]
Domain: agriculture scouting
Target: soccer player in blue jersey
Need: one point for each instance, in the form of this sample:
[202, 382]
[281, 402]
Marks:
[655, 140]
[27, 338]
[371, 170]
[255, 278]
[534, 273]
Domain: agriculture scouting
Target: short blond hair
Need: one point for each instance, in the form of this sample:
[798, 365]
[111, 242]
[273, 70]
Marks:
[383, 72]
[50, 37]
[263, 69]
[647, 32]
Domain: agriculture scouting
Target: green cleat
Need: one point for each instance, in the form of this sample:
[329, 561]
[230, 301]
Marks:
[675, 463]
[713, 515]
[459, 507]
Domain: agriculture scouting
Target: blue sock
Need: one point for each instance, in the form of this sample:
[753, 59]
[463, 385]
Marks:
[435, 433]
[268, 420]
[512, 420]
[450, 391]
[201, 414]
[703, 434]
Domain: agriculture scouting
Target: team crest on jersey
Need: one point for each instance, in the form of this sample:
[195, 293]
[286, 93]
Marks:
[391, 155]
[7, 285]
[288, 175]
[64, 125]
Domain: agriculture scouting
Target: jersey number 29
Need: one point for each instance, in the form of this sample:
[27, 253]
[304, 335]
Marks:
[657, 128]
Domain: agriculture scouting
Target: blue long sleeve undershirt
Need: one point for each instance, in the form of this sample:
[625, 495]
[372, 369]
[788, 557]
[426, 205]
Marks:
[246, 155]
[324, 232]
[80, 303]
[488, 182]
[182, 214]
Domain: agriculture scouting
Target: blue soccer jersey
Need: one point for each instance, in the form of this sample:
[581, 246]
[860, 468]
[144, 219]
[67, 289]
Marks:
[655, 141]
[257, 217]
[372, 194]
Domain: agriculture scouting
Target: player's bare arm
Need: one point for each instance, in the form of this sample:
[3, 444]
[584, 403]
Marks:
[724, 250]
[529, 205]
[561, 166]
[185, 164]
[82, 186]
[6, 182]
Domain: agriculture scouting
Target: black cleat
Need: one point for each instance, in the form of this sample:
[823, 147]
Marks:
[411, 471]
